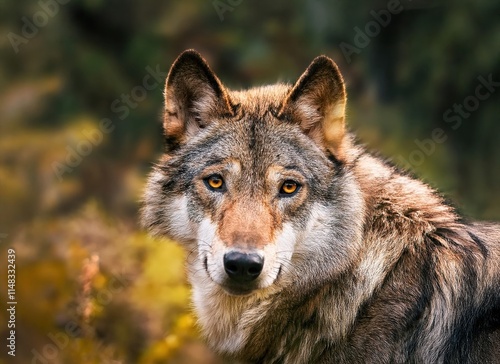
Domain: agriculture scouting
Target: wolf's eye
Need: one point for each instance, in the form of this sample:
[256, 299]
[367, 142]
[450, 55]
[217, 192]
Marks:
[289, 188]
[214, 182]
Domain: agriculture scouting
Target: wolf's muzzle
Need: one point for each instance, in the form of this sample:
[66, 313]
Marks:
[243, 267]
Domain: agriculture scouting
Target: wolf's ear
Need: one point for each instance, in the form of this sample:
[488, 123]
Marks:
[193, 97]
[317, 101]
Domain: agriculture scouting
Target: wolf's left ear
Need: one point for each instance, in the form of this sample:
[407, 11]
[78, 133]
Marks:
[194, 96]
[317, 101]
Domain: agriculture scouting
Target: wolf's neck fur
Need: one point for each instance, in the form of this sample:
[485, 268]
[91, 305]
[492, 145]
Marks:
[227, 321]
[416, 220]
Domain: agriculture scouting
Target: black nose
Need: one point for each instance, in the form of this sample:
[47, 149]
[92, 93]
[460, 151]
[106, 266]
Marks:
[243, 267]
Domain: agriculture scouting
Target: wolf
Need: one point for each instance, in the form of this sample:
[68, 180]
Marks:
[302, 246]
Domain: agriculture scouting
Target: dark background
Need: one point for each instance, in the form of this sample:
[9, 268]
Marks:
[91, 286]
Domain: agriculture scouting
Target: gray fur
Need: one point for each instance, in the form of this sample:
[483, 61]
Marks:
[373, 267]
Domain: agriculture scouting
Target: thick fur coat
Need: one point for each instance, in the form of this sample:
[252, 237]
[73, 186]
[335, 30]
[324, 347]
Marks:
[357, 262]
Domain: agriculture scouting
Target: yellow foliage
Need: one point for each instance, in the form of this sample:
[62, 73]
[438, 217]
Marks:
[126, 291]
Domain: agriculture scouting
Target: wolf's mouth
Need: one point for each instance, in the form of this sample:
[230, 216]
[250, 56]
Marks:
[238, 291]
[246, 289]
[205, 265]
[279, 272]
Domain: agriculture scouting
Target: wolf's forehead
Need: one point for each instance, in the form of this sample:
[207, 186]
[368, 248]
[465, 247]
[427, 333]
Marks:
[258, 100]
[259, 148]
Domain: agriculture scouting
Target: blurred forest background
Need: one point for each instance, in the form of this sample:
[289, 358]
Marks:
[80, 128]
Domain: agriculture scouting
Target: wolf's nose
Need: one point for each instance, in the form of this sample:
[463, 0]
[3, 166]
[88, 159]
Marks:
[243, 267]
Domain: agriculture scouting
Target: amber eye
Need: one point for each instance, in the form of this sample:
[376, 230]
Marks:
[289, 188]
[214, 182]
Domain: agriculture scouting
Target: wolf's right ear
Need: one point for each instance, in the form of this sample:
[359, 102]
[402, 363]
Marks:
[193, 97]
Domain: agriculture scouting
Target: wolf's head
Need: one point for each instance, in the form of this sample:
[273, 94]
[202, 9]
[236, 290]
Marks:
[256, 184]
